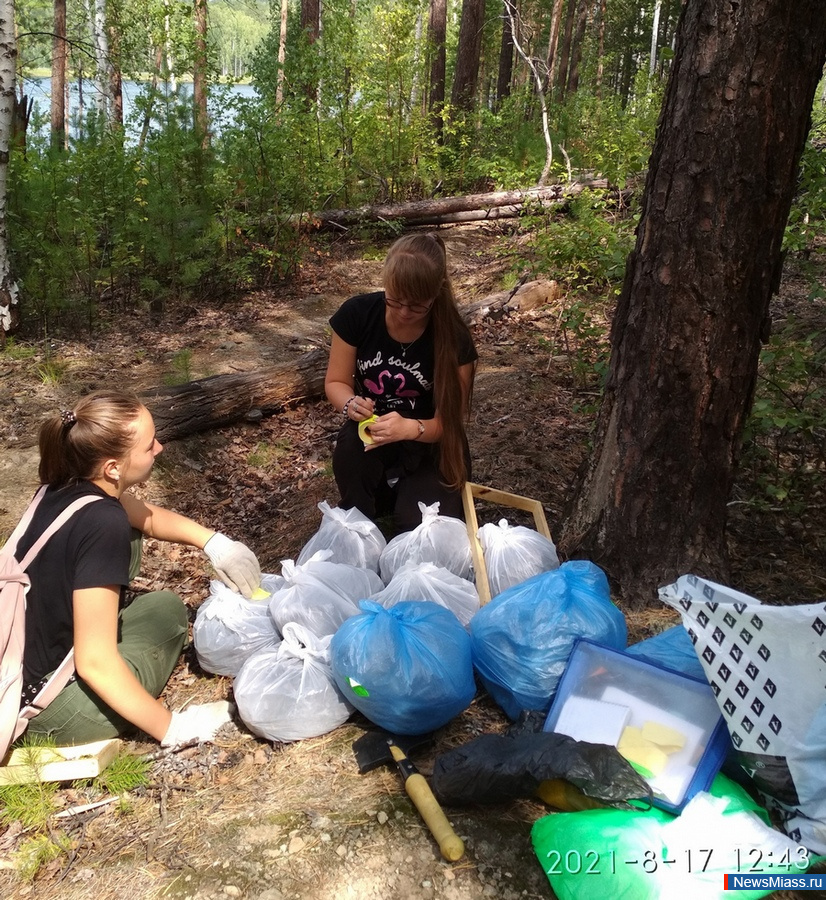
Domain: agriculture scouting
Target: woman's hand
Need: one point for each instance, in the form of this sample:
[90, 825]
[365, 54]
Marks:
[392, 427]
[361, 408]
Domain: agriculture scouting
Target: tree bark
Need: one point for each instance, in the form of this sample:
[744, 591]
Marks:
[8, 57]
[503, 81]
[687, 331]
[553, 40]
[576, 47]
[199, 74]
[224, 399]
[565, 55]
[282, 54]
[468, 52]
[310, 24]
[58, 89]
[436, 32]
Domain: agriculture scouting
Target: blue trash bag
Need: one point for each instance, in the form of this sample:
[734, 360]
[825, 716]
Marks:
[522, 639]
[671, 648]
[407, 668]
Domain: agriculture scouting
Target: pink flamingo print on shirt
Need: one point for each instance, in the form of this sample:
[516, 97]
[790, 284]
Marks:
[400, 389]
[377, 389]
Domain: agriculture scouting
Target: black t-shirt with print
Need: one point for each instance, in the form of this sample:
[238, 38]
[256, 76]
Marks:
[398, 377]
[91, 550]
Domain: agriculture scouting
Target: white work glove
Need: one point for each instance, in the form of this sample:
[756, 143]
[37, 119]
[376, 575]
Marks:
[197, 723]
[235, 564]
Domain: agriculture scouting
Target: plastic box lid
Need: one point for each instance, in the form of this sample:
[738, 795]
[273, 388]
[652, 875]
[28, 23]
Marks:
[667, 723]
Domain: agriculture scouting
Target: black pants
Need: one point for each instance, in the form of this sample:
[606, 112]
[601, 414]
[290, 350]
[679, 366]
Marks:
[362, 478]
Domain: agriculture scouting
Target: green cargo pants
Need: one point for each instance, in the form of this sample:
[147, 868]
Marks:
[151, 635]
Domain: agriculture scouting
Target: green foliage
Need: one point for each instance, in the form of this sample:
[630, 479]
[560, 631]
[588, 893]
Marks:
[38, 851]
[580, 337]
[783, 439]
[807, 218]
[585, 247]
[182, 368]
[124, 773]
[30, 804]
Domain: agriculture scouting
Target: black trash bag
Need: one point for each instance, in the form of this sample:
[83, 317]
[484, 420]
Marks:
[497, 768]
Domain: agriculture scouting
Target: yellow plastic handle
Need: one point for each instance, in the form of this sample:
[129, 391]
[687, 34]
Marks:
[418, 790]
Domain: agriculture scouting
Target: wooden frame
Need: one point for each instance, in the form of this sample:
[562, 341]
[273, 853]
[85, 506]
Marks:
[29, 764]
[473, 492]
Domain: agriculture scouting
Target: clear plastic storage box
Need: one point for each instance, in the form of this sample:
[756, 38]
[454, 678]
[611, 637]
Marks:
[667, 724]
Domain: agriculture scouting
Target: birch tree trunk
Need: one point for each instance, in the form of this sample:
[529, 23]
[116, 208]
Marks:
[100, 38]
[694, 307]
[9, 313]
[282, 54]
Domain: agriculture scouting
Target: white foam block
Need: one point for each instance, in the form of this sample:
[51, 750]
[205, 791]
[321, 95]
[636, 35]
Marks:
[590, 720]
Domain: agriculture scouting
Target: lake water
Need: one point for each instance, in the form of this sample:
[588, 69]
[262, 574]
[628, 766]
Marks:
[84, 95]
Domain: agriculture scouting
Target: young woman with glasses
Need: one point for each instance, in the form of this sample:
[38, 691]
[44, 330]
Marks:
[404, 356]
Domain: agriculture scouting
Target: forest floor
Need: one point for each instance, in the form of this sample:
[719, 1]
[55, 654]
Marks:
[245, 818]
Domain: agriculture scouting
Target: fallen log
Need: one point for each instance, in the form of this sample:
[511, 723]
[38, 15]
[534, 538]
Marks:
[226, 399]
[472, 207]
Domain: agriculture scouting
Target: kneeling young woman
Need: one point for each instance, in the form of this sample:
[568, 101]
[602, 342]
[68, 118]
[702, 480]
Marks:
[124, 654]
[405, 356]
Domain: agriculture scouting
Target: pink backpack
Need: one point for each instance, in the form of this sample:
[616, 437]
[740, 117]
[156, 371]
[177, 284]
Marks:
[14, 585]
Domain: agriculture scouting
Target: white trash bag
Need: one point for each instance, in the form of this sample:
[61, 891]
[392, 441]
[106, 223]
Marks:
[441, 540]
[228, 628]
[767, 668]
[349, 535]
[425, 581]
[289, 694]
[321, 594]
[514, 554]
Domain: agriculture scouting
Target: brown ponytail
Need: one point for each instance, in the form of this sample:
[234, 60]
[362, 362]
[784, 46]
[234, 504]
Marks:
[415, 271]
[73, 443]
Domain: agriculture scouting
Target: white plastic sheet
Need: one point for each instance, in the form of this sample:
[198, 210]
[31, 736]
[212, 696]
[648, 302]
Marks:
[767, 668]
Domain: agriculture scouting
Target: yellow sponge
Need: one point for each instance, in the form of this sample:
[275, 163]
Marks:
[642, 752]
[667, 739]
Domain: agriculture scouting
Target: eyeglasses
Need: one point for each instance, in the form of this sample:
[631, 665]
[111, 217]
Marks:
[416, 308]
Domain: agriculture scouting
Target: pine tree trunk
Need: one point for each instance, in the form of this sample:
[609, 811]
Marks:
[199, 74]
[553, 40]
[687, 331]
[58, 89]
[468, 53]
[436, 33]
[576, 47]
[503, 81]
[565, 53]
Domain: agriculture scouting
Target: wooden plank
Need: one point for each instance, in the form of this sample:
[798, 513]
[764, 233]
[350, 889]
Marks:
[472, 492]
[29, 764]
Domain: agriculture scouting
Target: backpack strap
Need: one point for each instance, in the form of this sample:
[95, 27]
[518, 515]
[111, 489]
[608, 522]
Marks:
[63, 673]
[20, 529]
[58, 523]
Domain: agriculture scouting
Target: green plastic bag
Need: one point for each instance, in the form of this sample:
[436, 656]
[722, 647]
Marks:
[626, 855]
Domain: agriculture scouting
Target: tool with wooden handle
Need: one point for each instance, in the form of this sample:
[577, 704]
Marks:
[419, 792]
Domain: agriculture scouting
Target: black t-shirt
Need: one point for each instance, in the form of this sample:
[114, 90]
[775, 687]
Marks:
[398, 377]
[91, 550]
